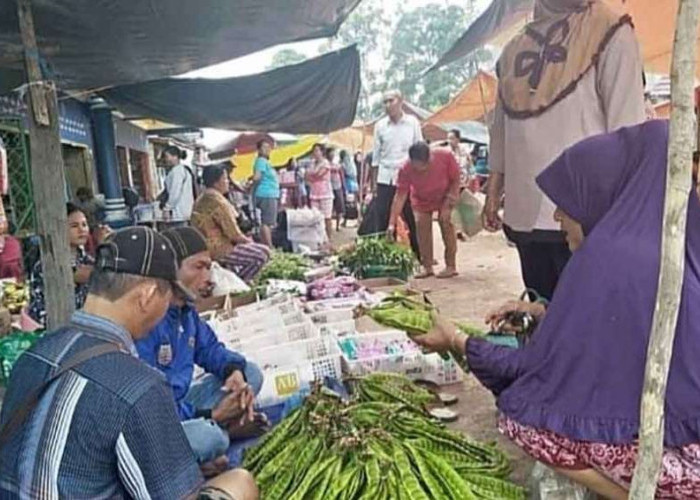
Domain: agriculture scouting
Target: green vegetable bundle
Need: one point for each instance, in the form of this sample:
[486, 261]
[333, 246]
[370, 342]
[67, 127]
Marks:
[391, 388]
[376, 251]
[283, 266]
[404, 313]
[330, 449]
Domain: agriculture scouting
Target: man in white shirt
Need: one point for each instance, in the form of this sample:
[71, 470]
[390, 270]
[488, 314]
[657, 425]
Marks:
[393, 136]
[179, 184]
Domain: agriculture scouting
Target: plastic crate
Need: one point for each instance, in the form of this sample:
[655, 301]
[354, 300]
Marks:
[338, 328]
[414, 365]
[283, 308]
[318, 306]
[321, 354]
[237, 332]
[253, 343]
[333, 316]
[273, 301]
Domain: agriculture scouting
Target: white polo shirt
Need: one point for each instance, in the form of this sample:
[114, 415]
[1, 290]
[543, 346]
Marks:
[391, 144]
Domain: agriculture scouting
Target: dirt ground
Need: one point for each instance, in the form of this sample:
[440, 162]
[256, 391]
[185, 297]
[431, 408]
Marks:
[489, 274]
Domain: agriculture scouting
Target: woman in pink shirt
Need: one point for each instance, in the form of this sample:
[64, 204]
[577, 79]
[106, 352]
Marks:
[320, 190]
[432, 179]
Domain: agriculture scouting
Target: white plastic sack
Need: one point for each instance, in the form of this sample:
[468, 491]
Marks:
[467, 214]
[226, 282]
[545, 484]
[306, 227]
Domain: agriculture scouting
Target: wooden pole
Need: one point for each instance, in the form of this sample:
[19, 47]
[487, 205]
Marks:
[681, 144]
[48, 179]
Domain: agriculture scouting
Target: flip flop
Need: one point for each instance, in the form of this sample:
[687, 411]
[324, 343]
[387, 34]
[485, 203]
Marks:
[442, 275]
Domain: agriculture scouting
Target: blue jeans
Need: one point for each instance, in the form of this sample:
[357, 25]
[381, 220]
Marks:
[206, 438]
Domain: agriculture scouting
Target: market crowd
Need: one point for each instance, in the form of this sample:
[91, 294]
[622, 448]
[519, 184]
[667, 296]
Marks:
[108, 405]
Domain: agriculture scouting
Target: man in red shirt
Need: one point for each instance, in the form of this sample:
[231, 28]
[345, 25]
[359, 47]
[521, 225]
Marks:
[432, 179]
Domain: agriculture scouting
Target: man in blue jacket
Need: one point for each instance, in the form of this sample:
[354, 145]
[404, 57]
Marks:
[219, 404]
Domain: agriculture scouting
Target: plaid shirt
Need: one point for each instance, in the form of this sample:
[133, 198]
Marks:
[106, 429]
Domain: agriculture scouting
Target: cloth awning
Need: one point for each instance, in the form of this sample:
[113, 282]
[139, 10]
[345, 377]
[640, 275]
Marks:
[496, 25]
[313, 97]
[472, 103]
[279, 157]
[91, 44]
[353, 139]
[470, 131]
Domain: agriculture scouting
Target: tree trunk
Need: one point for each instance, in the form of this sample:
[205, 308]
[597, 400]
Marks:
[682, 141]
[48, 179]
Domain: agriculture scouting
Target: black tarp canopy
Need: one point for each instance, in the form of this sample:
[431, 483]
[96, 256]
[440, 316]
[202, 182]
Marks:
[91, 44]
[499, 17]
[316, 96]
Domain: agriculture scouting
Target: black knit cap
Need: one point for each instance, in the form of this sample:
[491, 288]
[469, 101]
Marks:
[140, 251]
[186, 241]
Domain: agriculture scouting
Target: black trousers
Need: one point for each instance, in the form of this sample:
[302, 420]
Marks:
[385, 197]
[542, 264]
[543, 257]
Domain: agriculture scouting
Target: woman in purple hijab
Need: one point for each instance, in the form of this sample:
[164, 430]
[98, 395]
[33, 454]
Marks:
[571, 397]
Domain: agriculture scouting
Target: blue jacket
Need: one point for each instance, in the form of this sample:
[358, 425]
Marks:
[180, 341]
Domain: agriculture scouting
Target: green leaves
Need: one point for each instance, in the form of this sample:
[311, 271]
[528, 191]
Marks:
[283, 266]
[378, 251]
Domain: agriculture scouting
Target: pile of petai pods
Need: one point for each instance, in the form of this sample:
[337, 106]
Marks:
[380, 444]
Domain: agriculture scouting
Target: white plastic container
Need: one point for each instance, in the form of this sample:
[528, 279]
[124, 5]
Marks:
[414, 365]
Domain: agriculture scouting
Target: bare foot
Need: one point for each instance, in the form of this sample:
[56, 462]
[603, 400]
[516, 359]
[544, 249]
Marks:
[447, 273]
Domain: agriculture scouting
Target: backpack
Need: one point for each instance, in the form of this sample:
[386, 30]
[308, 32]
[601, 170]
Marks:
[164, 196]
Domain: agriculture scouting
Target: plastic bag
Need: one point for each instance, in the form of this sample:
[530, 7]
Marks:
[467, 214]
[545, 484]
[226, 282]
[12, 347]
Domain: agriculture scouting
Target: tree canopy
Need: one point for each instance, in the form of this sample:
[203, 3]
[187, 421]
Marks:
[396, 52]
[285, 57]
[420, 38]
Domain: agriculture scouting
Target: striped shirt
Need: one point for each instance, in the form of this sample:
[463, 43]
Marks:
[106, 429]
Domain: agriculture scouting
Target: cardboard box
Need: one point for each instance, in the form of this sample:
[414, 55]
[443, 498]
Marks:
[217, 303]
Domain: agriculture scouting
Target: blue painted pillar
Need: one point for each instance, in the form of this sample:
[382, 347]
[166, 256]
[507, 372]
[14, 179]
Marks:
[116, 213]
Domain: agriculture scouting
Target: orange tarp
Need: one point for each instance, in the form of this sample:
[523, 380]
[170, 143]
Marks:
[474, 101]
[353, 138]
[655, 24]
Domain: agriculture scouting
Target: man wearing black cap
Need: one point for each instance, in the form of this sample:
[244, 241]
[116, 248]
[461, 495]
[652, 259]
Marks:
[83, 417]
[218, 406]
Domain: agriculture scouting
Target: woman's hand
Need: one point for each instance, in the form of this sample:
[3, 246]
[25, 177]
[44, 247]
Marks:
[443, 337]
[82, 275]
[102, 233]
[495, 318]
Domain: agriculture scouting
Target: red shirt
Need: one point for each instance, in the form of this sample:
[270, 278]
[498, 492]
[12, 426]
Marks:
[430, 188]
